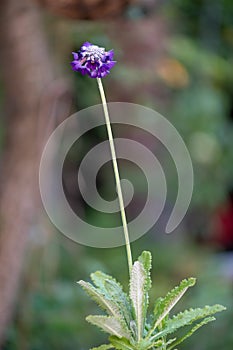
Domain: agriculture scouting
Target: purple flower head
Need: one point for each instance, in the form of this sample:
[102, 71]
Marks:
[93, 60]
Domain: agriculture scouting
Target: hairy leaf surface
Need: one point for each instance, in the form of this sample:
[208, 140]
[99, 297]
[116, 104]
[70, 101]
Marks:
[188, 317]
[109, 325]
[121, 344]
[145, 259]
[114, 292]
[164, 305]
[137, 286]
[100, 299]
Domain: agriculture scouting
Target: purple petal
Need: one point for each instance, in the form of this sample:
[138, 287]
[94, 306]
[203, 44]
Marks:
[92, 66]
[83, 71]
[73, 65]
[75, 54]
[103, 74]
[110, 54]
[86, 44]
[110, 64]
[94, 74]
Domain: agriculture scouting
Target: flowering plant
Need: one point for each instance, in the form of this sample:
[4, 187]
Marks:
[127, 321]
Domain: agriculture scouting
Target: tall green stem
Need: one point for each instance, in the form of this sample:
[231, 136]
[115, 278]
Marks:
[116, 173]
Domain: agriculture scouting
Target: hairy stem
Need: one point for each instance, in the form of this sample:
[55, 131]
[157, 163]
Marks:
[116, 173]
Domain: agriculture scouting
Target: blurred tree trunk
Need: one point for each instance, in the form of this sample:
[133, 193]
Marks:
[33, 98]
[87, 9]
[28, 76]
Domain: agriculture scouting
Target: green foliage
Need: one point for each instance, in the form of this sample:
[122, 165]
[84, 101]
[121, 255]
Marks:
[103, 347]
[113, 291]
[102, 300]
[111, 325]
[194, 329]
[127, 321]
[186, 318]
[121, 344]
[136, 292]
[164, 305]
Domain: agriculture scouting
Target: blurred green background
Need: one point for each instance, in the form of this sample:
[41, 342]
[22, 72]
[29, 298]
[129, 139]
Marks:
[174, 57]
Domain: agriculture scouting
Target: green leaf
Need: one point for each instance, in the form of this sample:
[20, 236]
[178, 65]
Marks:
[137, 296]
[146, 344]
[164, 305]
[114, 292]
[109, 325]
[121, 344]
[103, 347]
[145, 259]
[159, 344]
[186, 318]
[100, 299]
[194, 329]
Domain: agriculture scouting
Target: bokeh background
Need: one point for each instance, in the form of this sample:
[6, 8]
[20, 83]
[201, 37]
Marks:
[174, 57]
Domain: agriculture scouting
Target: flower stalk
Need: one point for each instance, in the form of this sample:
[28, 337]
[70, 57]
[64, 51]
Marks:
[126, 320]
[96, 62]
[116, 173]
